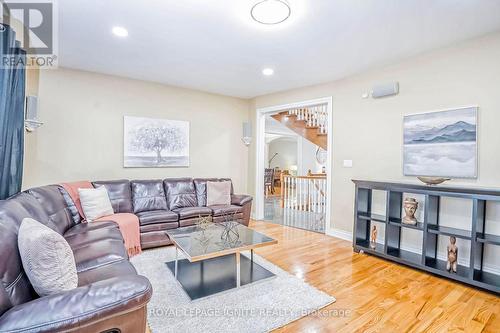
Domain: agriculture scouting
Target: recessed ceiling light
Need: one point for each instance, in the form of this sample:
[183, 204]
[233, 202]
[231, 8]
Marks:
[120, 31]
[270, 11]
[268, 71]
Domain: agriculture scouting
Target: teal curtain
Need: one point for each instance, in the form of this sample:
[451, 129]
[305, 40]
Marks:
[12, 96]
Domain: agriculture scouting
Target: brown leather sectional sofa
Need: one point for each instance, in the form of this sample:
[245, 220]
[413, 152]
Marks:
[111, 296]
[170, 203]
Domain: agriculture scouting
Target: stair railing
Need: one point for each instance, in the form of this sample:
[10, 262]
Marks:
[306, 193]
[314, 116]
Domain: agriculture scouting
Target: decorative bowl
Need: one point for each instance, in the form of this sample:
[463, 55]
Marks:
[432, 180]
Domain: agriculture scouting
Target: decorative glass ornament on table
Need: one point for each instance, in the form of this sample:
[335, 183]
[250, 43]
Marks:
[203, 223]
[230, 236]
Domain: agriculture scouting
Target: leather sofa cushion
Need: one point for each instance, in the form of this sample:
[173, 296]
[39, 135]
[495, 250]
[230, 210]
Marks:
[218, 210]
[85, 238]
[189, 212]
[53, 202]
[221, 218]
[15, 287]
[158, 227]
[99, 254]
[157, 216]
[201, 188]
[188, 222]
[89, 226]
[154, 239]
[180, 193]
[120, 194]
[116, 269]
[148, 195]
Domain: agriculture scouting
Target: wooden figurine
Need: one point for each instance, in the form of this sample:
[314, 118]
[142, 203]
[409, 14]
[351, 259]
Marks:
[373, 237]
[452, 252]
[410, 206]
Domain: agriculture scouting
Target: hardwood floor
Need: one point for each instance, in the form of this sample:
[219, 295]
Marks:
[373, 294]
[376, 295]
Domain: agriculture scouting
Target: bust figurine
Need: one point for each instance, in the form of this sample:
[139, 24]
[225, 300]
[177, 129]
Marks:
[410, 206]
[373, 237]
[452, 253]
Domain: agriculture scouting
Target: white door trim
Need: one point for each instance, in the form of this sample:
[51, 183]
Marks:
[259, 153]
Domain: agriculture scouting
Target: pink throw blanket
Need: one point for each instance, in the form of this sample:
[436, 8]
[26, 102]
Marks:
[129, 227]
[128, 223]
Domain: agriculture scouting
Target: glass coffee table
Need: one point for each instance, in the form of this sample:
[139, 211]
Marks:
[212, 262]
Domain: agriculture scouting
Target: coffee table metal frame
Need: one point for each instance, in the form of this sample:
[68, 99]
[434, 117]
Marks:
[224, 252]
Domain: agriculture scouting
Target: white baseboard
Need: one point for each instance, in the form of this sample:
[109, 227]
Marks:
[338, 233]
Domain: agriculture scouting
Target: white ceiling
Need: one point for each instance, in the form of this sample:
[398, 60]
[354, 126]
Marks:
[214, 46]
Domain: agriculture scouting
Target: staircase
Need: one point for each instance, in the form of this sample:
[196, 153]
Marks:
[310, 123]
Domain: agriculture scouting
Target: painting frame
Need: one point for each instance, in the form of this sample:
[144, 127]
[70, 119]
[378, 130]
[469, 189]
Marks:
[468, 145]
[155, 142]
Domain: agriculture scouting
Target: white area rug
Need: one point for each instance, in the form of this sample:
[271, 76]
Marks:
[254, 308]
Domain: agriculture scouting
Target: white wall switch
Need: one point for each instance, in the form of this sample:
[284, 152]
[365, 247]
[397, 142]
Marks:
[347, 163]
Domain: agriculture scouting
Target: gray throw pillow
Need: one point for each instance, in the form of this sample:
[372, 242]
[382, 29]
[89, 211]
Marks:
[47, 258]
[219, 193]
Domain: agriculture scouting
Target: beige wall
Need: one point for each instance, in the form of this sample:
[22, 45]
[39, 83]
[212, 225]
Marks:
[82, 137]
[287, 153]
[369, 131]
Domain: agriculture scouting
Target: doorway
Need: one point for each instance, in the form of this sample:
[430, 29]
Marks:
[304, 188]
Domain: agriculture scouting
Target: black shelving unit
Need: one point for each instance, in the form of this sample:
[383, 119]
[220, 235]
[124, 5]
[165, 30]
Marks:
[430, 229]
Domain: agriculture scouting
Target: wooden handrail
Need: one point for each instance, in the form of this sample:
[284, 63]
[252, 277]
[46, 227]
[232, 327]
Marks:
[306, 177]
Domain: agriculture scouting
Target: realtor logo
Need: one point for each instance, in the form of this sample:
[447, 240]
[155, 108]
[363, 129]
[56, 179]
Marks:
[39, 36]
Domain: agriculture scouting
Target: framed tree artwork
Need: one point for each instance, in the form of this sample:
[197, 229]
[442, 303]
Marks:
[154, 143]
[442, 144]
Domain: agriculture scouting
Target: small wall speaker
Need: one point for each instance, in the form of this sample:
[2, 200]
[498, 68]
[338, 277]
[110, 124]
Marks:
[247, 134]
[31, 121]
[31, 108]
[386, 89]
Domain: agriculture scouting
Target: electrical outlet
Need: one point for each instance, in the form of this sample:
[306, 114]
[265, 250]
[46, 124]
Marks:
[347, 163]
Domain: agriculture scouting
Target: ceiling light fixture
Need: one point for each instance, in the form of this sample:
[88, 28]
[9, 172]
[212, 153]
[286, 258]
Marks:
[268, 71]
[271, 11]
[120, 31]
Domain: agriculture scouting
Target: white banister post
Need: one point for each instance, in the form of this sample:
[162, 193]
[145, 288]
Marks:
[287, 192]
[313, 209]
[324, 196]
[308, 195]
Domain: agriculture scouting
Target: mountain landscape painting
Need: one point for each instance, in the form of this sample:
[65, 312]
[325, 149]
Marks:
[442, 144]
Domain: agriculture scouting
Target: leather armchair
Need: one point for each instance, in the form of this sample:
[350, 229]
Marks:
[92, 308]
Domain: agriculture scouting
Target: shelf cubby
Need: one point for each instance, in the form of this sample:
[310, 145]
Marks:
[487, 278]
[449, 231]
[440, 266]
[488, 238]
[404, 255]
[372, 217]
[397, 222]
[432, 230]
[365, 246]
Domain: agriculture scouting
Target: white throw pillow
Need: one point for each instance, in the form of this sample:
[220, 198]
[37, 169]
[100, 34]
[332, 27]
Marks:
[95, 203]
[218, 193]
[47, 258]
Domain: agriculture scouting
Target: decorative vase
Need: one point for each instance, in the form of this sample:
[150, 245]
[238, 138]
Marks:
[410, 207]
[432, 180]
